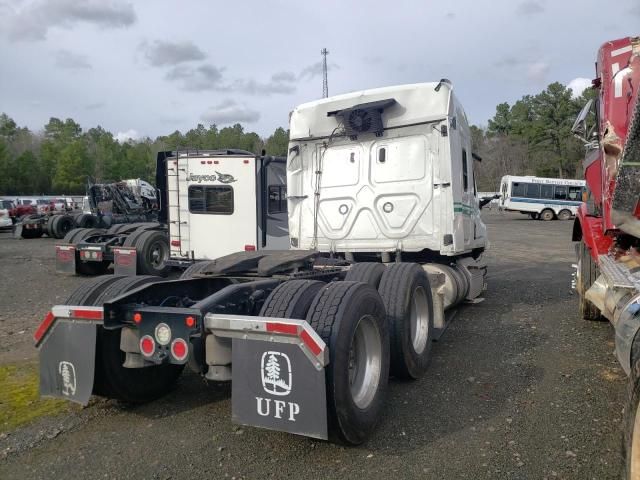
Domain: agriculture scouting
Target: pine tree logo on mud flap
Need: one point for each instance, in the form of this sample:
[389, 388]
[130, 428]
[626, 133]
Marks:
[276, 373]
[68, 373]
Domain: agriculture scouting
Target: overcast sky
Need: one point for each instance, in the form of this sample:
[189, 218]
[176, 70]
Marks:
[150, 67]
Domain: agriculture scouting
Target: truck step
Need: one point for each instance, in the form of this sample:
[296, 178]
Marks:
[618, 273]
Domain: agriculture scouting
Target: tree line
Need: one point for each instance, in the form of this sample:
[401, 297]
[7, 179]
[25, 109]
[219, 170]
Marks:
[530, 137]
[61, 158]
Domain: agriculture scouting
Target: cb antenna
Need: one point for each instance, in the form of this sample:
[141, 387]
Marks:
[325, 83]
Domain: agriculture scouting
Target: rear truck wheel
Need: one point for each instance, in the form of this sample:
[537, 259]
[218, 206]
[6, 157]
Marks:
[116, 228]
[406, 294]
[587, 273]
[367, 272]
[86, 293]
[49, 226]
[193, 270]
[631, 426]
[350, 318]
[86, 220]
[152, 252]
[564, 215]
[71, 234]
[62, 225]
[291, 299]
[547, 215]
[534, 216]
[112, 379]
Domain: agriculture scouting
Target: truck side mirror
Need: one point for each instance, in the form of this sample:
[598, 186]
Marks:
[579, 128]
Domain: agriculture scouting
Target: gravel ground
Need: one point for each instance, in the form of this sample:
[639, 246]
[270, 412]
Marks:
[519, 388]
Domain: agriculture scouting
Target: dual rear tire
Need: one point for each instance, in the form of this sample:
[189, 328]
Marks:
[380, 319]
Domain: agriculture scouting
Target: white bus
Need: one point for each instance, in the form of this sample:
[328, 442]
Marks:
[544, 198]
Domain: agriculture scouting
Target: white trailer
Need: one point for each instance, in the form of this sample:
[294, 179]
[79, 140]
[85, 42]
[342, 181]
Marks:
[223, 201]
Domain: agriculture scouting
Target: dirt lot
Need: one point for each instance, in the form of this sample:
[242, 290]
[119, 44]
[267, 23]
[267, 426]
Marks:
[520, 388]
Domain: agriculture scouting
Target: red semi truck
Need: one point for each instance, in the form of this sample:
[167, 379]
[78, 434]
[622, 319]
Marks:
[607, 226]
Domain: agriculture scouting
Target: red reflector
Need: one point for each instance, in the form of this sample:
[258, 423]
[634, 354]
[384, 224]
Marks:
[147, 345]
[190, 322]
[87, 314]
[175, 243]
[179, 349]
[208, 162]
[310, 342]
[282, 328]
[137, 317]
[246, 161]
[249, 248]
[43, 327]
[202, 162]
[216, 162]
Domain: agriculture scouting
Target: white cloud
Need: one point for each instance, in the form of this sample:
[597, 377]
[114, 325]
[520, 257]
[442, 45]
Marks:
[537, 71]
[71, 61]
[33, 21]
[229, 111]
[131, 134]
[579, 85]
[161, 53]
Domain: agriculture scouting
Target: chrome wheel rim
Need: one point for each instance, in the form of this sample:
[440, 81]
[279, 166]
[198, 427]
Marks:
[419, 320]
[365, 362]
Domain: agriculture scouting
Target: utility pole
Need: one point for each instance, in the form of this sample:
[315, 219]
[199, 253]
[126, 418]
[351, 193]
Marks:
[325, 83]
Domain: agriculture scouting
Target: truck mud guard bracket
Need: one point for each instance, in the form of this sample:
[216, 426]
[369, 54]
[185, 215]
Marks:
[278, 377]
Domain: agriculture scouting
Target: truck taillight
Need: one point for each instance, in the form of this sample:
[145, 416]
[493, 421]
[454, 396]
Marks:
[175, 243]
[147, 345]
[179, 349]
[249, 248]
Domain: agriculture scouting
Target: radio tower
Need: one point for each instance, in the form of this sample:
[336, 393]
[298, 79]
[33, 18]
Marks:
[325, 83]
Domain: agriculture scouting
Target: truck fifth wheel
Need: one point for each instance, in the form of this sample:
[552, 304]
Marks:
[385, 236]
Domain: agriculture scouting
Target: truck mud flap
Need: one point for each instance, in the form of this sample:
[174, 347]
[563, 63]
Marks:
[124, 261]
[67, 344]
[278, 377]
[66, 259]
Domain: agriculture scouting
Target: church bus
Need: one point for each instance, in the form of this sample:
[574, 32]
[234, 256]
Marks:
[541, 198]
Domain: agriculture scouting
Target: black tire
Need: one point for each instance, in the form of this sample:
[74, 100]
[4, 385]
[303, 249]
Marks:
[152, 252]
[631, 446]
[116, 228]
[194, 269]
[49, 226]
[406, 294]
[86, 293]
[291, 299]
[62, 225]
[112, 380]
[367, 272]
[86, 220]
[534, 216]
[588, 272]
[338, 312]
[69, 238]
[122, 285]
[547, 215]
[564, 214]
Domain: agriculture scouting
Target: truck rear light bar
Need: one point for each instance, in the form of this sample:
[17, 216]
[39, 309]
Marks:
[68, 312]
[282, 330]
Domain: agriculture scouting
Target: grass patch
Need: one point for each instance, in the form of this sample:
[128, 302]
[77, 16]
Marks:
[20, 400]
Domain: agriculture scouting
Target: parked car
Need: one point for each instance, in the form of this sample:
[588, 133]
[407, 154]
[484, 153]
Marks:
[6, 206]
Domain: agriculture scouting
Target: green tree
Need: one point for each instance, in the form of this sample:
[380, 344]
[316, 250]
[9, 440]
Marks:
[278, 142]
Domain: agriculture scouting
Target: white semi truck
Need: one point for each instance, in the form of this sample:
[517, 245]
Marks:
[385, 235]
